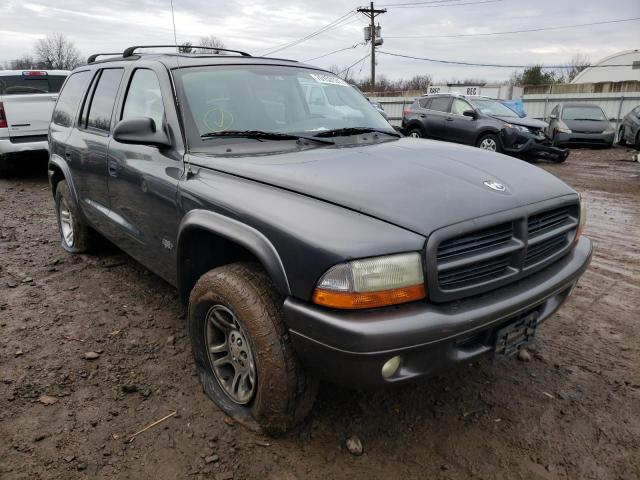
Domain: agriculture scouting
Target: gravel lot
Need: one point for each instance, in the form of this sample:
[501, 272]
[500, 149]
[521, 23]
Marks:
[573, 411]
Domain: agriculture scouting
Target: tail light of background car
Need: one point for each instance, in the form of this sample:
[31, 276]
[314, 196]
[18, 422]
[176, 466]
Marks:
[34, 73]
[3, 117]
[407, 111]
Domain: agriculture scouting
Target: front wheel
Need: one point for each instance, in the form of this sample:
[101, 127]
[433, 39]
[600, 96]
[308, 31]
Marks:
[489, 142]
[621, 140]
[242, 351]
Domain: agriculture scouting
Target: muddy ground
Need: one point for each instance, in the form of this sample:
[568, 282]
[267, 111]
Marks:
[573, 411]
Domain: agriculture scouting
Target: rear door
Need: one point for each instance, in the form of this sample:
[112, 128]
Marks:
[143, 179]
[457, 127]
[86, 147]
[28, 98]
[437, 111]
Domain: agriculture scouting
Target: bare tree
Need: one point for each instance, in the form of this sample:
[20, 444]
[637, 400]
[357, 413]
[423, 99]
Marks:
[211, 41]
[577, 64]
[56, 52]
[25, 62]
[186, 47]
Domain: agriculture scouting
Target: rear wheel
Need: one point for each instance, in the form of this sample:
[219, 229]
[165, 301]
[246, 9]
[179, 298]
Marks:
[75, 235]
[415, 132]
[243, 353]
[489, 142]
[6, 168]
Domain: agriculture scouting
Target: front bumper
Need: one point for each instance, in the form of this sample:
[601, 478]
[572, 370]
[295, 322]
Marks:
[18, 145]
[526, 144]
[349, 348]
[604, 139]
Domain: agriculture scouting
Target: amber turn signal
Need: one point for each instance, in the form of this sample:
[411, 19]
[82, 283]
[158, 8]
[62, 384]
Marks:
[355, 300]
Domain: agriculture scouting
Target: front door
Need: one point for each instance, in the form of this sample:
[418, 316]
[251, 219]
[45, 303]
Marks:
[143, 179]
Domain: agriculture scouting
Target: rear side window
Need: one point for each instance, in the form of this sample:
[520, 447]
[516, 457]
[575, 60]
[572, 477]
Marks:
[440, 104]
[30, 83]
[103, 99]
[144, 98]
[424, 102]
[69, 99]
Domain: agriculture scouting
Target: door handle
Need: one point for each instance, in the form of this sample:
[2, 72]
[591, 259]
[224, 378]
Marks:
[449, 119]
[114, 169]
[422, 115]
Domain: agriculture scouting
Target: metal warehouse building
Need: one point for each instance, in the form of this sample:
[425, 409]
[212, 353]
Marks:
[603, 73]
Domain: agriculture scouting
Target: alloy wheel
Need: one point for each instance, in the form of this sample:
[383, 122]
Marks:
[66, 223]
[489, 144]
[230, 354]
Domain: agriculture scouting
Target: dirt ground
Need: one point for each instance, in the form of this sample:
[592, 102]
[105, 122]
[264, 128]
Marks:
[573, 411]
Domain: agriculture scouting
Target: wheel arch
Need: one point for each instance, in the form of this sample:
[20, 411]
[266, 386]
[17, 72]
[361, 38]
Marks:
[485, 131]
[416, 124]
[58, 170]
[207, 240]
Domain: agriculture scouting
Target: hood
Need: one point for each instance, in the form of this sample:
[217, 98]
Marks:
[420, 185]
[525, 122]
[587, 126]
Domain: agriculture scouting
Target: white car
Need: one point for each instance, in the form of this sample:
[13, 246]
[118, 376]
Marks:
[27, 98]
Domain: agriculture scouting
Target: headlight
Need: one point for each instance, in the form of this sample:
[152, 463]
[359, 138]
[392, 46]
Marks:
[372, 282]
[562, 128]
[518, 127]
[582, 222]
[609, 131]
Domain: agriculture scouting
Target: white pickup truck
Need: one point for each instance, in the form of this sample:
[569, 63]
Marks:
[27, 98]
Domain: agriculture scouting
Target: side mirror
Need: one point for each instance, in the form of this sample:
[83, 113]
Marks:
[470, 113]
[140, 131]
[553, 117]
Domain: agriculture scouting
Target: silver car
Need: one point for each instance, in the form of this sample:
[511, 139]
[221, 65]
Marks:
[579, 124]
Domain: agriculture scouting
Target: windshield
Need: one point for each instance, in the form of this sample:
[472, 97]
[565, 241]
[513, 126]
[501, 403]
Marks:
[583, 113]
[269, 98]
[492, 107]
[26, 84]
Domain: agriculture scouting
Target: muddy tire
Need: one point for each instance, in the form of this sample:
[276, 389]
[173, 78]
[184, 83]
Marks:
[243, 353]
[621, 140]
[75, 235]
[489, 142]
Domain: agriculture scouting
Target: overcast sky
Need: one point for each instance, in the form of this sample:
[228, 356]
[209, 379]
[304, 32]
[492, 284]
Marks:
[112, 25]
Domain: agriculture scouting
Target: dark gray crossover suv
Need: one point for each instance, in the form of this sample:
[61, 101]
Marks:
[629, 131]
[480, 121]
[306, 243]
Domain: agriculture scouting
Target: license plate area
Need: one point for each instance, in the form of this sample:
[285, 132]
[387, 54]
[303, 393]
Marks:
[515, 335]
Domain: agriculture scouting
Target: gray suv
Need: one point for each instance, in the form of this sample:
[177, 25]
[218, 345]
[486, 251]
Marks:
[479, 121]
[306, 243]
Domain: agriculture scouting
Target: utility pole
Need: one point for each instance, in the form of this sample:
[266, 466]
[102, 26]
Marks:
[372, 13]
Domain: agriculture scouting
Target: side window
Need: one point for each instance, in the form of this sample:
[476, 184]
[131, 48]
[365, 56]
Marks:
[424, 102]
[440, 104]
[144, 98]
[103, 99]
[459, 106]
[69, 99]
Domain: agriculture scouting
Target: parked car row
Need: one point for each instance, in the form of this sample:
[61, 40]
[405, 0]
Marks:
[495, 125]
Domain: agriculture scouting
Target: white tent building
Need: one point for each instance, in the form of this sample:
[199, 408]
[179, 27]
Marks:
[604, 73]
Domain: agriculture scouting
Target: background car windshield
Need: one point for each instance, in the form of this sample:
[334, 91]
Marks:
[270, 98]
[582, 113]
[491, 107]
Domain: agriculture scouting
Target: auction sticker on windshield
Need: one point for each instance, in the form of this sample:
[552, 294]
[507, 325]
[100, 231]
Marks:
[330, 79]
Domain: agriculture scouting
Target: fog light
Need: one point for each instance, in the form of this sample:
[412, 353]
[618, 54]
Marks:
[391, 367]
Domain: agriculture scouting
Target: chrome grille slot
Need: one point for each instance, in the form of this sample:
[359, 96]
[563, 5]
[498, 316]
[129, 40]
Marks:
[476, 241]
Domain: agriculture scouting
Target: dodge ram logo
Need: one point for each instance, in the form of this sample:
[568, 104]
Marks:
[495, 185]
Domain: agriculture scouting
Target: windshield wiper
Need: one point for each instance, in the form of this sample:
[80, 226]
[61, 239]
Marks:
[588, 119]
[262, 135]
[341, 132]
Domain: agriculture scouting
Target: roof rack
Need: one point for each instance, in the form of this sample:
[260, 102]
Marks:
[131, 50]
[93, 57]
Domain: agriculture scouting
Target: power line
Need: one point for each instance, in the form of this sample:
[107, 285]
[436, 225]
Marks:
[354, 64]
[421, 5]
[495, 65]
[334, 24]
[541, 29]
[335, 51]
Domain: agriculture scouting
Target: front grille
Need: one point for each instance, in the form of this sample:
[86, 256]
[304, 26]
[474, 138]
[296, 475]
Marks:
[484, 258]
[488, 238]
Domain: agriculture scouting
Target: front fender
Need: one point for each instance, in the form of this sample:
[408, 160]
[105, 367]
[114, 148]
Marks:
[240, 233]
